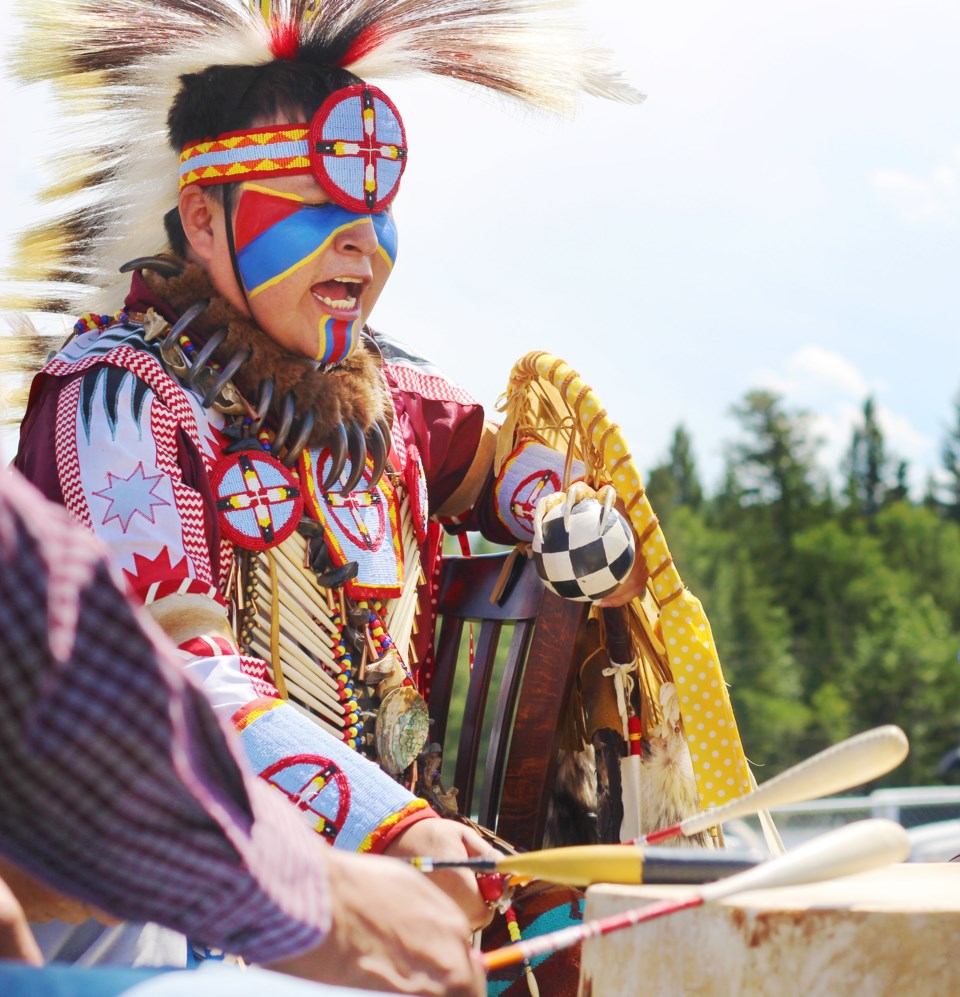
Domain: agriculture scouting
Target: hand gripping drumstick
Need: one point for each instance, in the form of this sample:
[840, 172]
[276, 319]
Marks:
[857, 760]
[868, 844]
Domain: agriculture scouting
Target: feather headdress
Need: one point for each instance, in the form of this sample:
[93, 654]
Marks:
[117, 65]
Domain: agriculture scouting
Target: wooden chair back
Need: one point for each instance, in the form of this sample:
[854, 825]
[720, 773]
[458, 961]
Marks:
[539, 672]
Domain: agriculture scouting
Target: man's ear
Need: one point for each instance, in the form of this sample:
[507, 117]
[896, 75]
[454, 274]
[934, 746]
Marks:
[196, 216]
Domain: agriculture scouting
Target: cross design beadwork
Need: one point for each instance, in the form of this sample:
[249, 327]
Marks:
[257, 495]
[370, 149]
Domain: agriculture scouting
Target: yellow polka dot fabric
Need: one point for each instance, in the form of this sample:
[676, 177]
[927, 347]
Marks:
[718, 760]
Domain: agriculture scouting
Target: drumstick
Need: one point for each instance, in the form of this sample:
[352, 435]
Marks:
[857, 760]
[583, 865]
[868, 844]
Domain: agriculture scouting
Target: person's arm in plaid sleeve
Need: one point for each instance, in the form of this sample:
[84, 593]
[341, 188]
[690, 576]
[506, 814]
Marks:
[121, 788]
[97, 733]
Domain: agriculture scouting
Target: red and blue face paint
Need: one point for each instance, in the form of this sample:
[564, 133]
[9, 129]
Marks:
[277, 234]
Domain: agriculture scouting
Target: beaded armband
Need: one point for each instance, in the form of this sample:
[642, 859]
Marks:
[345, 798]
[529, 474]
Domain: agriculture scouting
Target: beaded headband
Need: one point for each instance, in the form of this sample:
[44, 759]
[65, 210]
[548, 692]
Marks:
[355, 147]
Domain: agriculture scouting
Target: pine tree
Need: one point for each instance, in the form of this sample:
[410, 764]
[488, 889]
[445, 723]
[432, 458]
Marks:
[866, 464]
[900, 491]
[950, 454]
[930, 500]
[676, 481]
[684, 469]
[827, 621]
[775, 466]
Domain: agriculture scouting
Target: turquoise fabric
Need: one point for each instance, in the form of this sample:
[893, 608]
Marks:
[552, 920]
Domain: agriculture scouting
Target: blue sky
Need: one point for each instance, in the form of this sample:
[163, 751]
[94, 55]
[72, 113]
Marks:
[783, 211]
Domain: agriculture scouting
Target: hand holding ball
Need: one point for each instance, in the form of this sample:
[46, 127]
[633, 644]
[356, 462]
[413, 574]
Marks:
[583, 549]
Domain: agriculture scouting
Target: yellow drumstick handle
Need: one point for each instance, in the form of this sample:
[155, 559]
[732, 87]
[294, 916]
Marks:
[583, 865]
[579, 865]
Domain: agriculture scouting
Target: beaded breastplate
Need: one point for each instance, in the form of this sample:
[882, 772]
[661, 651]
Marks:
[342, 651]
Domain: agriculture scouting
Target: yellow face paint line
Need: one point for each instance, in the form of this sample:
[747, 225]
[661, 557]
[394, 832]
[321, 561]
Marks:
[325, 320]
[385, 256]
[270, 192]
[307, 259]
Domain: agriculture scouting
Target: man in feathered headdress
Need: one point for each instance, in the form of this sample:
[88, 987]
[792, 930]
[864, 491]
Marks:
[224, 421]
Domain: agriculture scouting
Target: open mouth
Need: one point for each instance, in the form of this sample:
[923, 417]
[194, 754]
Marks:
[339, 294]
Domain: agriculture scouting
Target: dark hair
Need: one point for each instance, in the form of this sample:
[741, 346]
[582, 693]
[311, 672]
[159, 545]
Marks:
[230, 98]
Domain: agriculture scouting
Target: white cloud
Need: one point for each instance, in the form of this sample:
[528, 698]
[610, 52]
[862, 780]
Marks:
[902, 439]
[935, 197]
[830, 370]
[833, 389]
[815, 376]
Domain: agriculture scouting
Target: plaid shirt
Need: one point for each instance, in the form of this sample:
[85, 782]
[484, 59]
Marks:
[118, 784]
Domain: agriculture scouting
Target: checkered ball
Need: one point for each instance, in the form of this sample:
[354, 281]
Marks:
[584, 564]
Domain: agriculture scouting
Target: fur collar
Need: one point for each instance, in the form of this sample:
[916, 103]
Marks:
[351, 391]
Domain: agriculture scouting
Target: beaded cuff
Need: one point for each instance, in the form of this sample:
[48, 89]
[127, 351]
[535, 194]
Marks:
[344, 797]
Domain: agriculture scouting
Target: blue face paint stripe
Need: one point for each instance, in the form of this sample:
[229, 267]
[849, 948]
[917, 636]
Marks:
[301, 237]
[279, 251]
[386, 229]
[290, 243]
[324, 341]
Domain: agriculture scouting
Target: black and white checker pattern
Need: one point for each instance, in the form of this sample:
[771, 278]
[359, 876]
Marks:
[584, 565]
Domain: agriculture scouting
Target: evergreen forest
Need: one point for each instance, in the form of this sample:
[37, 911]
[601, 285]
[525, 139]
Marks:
[835, 607]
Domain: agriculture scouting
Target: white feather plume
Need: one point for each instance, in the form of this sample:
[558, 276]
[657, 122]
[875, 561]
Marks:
[115, 68]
